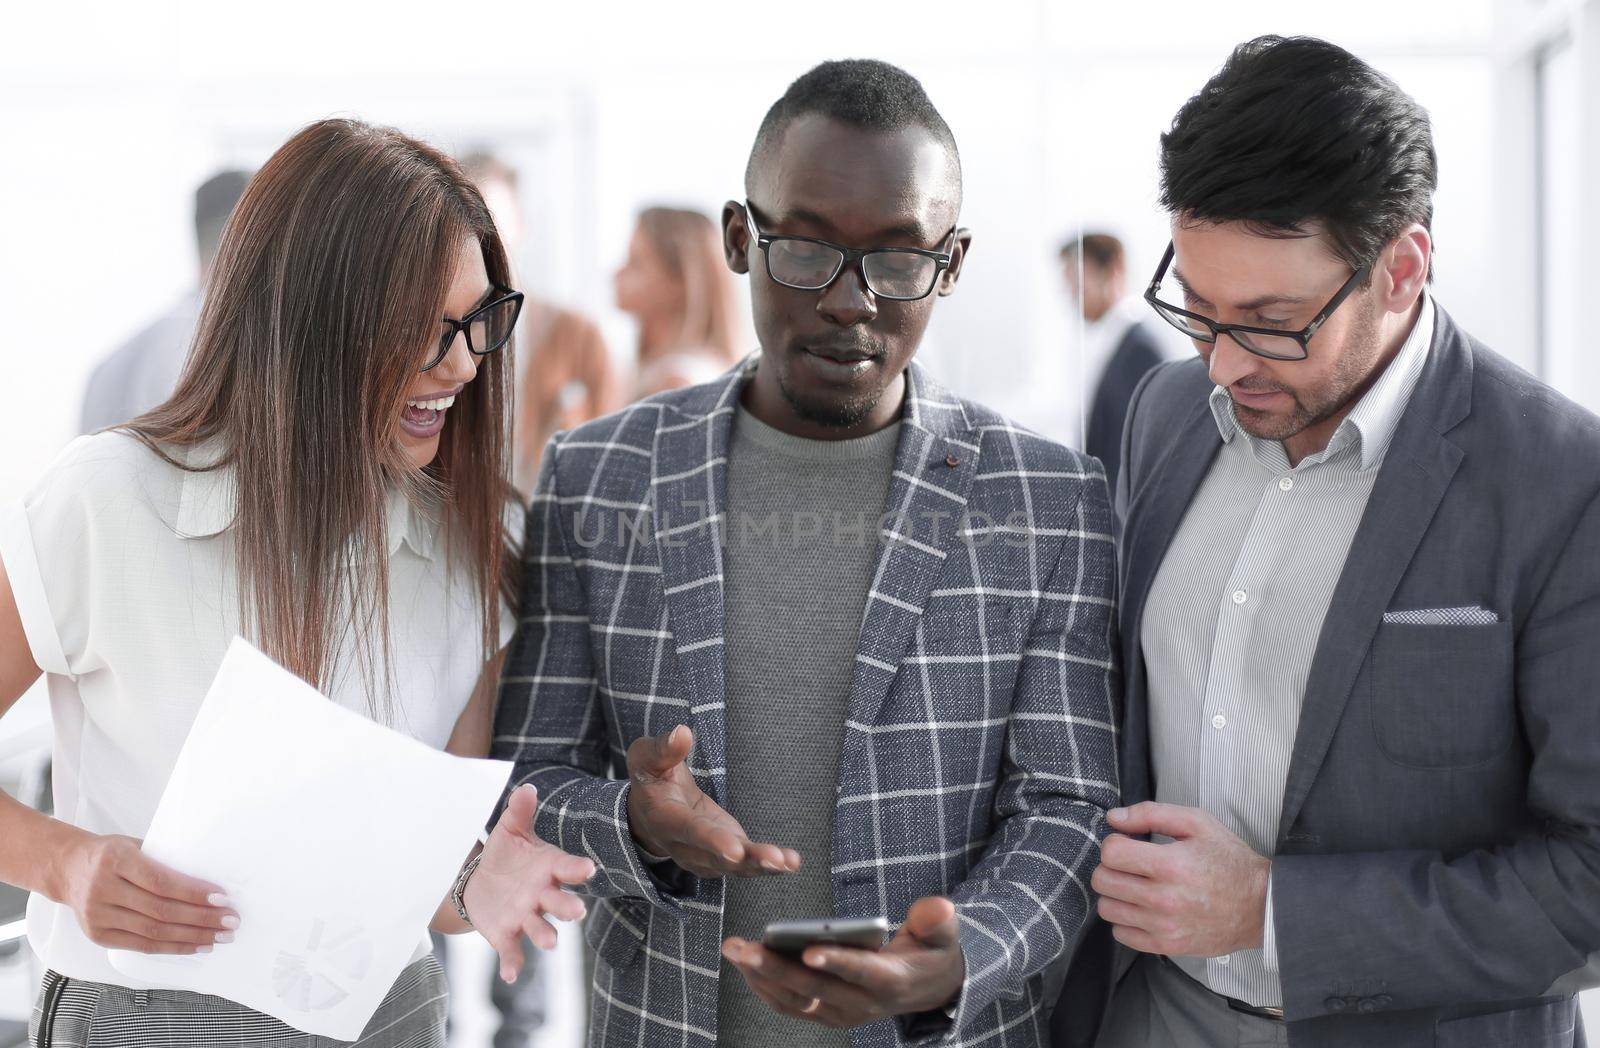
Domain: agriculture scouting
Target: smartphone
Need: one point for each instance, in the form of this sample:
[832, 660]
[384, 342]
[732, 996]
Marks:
[792, 937]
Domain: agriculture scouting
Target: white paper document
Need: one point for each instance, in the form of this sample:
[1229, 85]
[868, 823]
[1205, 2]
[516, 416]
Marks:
[335, 838]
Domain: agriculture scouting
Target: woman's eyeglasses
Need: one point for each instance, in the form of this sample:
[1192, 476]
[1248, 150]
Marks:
[487, 328]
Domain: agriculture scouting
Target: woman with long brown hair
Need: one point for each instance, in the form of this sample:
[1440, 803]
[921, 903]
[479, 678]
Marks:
[677, 287]
[329, 479]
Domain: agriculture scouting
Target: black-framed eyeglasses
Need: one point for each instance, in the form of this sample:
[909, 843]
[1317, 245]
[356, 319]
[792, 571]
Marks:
[487, 328]
[903, 274]
[1272, 343]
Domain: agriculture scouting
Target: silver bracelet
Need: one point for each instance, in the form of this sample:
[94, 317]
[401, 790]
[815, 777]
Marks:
[458, 890]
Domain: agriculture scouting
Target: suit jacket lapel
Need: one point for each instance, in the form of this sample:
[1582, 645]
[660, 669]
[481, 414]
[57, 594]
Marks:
[1156, 510]
[935, 461]
[1416, 471]
[689, 482]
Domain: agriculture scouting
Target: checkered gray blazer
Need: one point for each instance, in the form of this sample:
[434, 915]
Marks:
[979, 753]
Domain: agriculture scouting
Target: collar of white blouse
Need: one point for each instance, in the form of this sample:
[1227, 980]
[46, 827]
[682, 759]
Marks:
[208, 501]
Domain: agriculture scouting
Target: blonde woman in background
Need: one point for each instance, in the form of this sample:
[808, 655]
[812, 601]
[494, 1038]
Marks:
[676, 285]
[568, 380]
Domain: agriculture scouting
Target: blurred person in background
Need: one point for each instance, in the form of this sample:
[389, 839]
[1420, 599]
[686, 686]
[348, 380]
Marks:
[565, 376]
[144, 371]
[1119, 345]
[329, 479]
[676, 286]
[569, 379]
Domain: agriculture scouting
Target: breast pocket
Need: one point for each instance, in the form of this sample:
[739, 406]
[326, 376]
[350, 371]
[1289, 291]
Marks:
[1442, 696]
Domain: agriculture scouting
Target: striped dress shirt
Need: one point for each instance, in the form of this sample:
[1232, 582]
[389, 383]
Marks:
[1233, 620]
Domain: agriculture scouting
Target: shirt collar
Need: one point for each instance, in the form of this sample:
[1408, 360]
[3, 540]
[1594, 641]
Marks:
[1373, 420]
[208, 504]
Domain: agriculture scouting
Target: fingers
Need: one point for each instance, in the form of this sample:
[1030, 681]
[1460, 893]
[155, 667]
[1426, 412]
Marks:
[782, 999]
[714, 845]
[872, 972]
[654, 756]
[1168, 820]
[770, 858]
[1126, 855]
[1134, 939]
[517, 819]
[123, 897]
[1123, 914]
[786, 1002]
[1111, 883]
[794, 986]
[132, 922]
[540, 932]
[167, 912]
[571, 869]
[164, 881]
[732, 853]
[509, 947]
[932, 922]
[561, 905]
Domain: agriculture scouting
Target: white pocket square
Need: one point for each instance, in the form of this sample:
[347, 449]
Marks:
[1472, 615]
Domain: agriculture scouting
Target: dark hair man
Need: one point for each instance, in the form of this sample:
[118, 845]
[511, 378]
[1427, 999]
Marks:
[847, 652]
[1360, 602]
[1119, 347]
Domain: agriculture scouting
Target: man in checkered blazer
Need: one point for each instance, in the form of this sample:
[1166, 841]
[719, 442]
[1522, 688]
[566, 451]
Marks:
[687, 722]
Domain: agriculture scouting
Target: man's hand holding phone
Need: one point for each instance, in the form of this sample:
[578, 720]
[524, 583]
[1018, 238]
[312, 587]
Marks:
[672, 818]
[921, 969]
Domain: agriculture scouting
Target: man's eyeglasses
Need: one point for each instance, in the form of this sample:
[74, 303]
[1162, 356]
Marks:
[1272, 343]
[903, 274]
[487, 328]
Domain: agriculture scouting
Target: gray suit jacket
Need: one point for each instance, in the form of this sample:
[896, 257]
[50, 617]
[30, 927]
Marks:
[1438, 871]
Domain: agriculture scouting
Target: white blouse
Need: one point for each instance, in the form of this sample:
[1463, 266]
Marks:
[123, 570]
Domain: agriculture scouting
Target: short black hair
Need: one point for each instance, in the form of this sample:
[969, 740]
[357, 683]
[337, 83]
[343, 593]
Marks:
[861, 92]
[1102, 249]
[1297, 130]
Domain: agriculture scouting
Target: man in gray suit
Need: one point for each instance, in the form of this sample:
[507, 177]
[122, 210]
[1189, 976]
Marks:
[1360, 616]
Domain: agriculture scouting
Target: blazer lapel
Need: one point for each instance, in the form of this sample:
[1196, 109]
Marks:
[689, 475]
[935, 461]
[1153, 518]
[1412, 481]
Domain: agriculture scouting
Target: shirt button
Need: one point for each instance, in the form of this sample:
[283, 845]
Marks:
[1239, 596]
[1224, 960]
[1219, 722]
[1285, 483]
